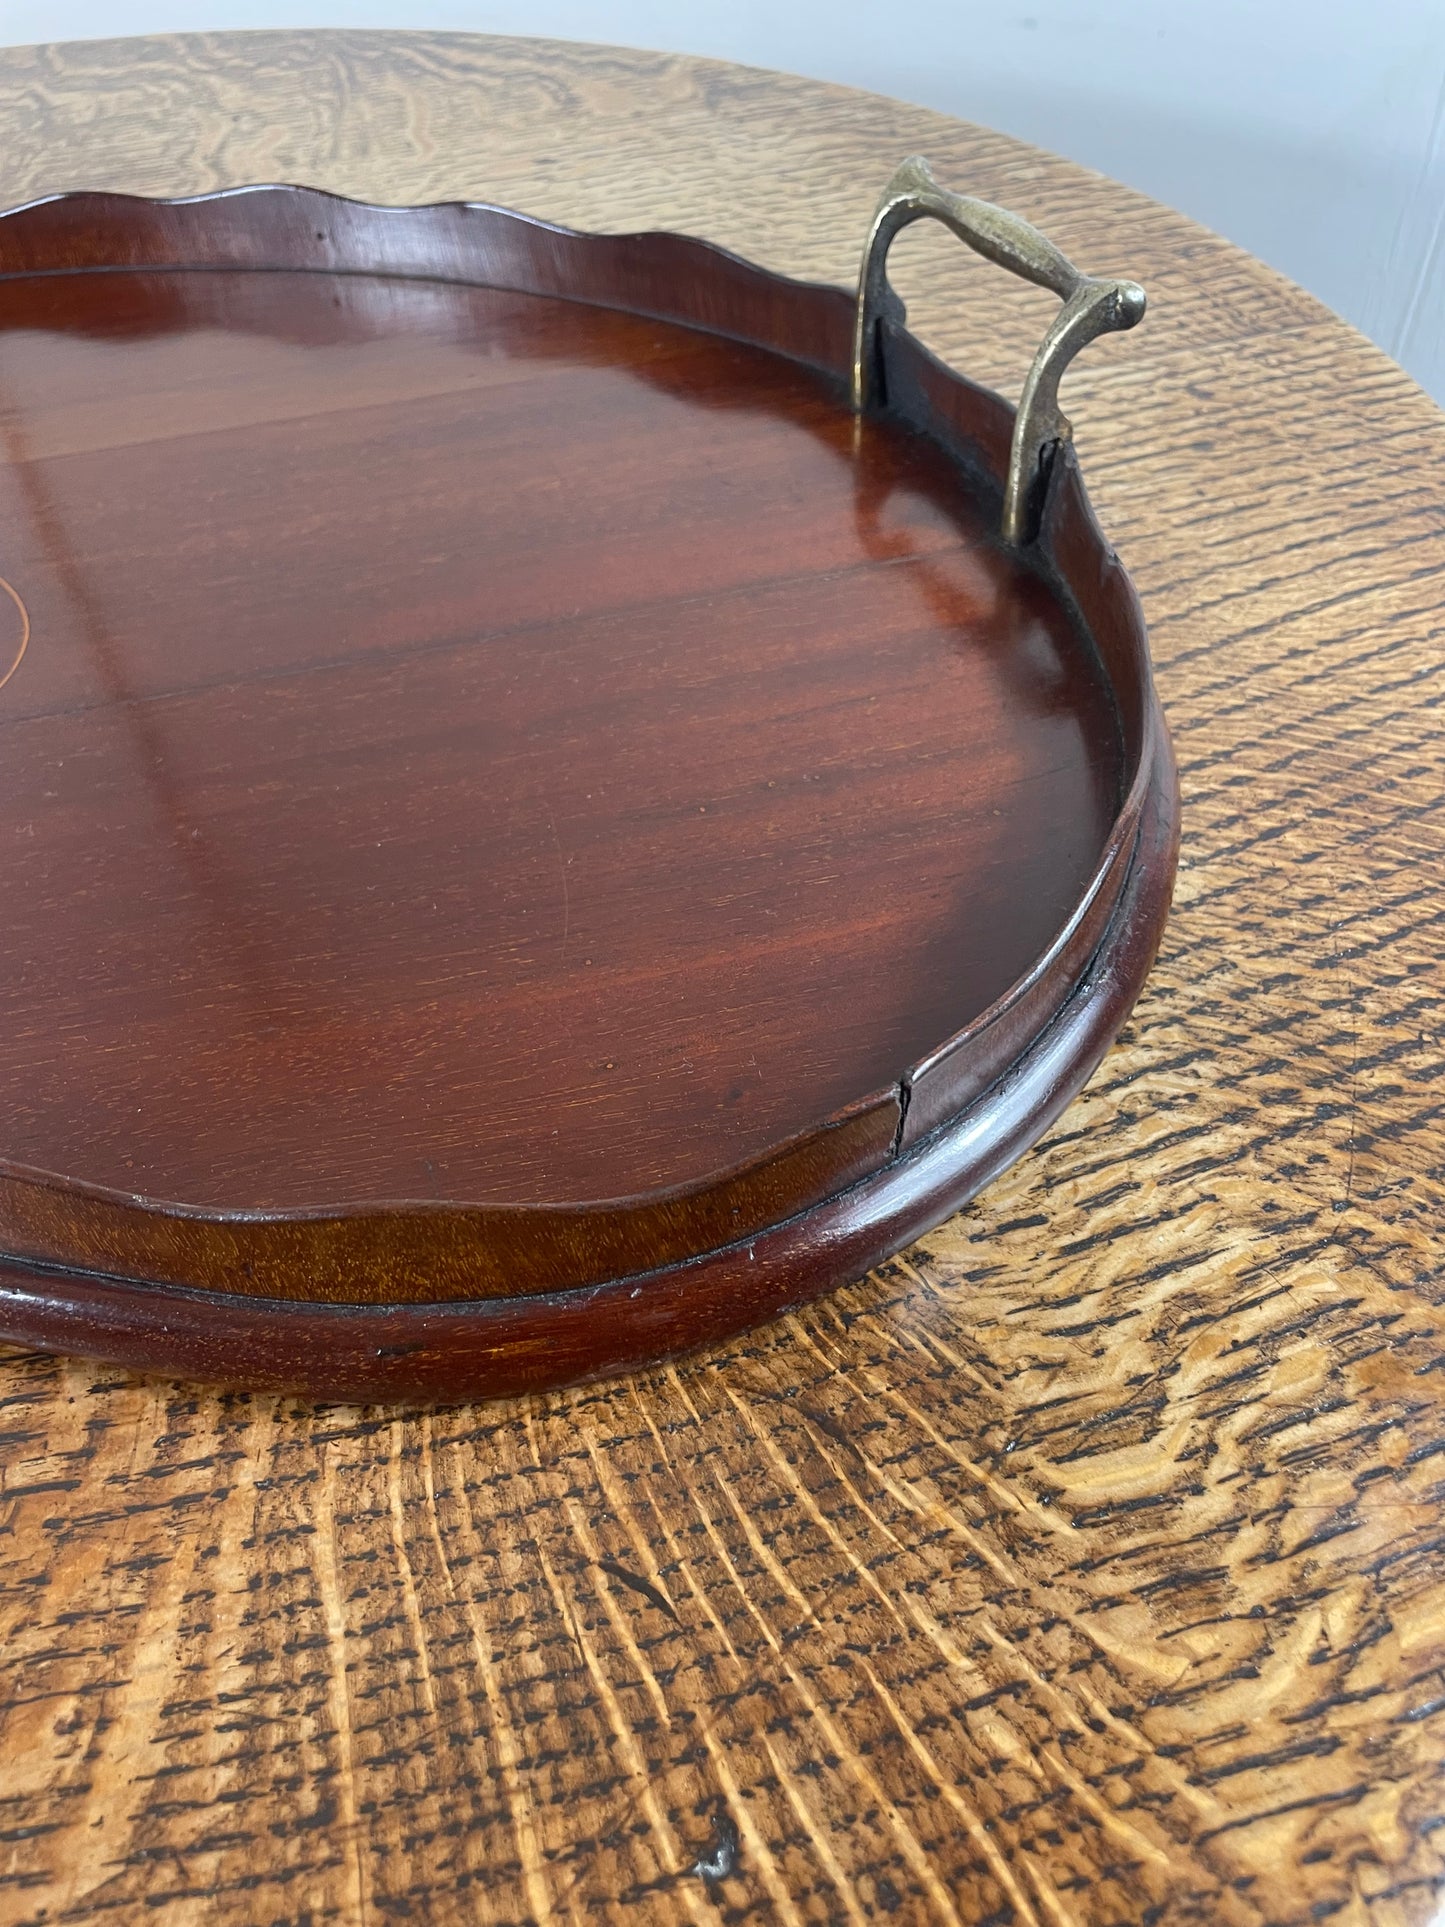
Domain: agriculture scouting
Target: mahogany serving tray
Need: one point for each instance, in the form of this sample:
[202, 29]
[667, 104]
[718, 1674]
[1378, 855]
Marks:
[560, 795]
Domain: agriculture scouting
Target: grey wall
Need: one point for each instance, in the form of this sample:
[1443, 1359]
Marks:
[1310, 131]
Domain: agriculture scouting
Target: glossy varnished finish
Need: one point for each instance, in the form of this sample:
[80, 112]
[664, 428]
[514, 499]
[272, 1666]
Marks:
[523, 794]
[1082, 1565]
[494, 750]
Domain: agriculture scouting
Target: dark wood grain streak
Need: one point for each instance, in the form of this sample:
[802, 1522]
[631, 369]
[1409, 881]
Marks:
[374, 609]
[1082, 1564]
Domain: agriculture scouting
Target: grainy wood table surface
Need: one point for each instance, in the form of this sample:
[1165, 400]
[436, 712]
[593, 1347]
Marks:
[1087, 1564]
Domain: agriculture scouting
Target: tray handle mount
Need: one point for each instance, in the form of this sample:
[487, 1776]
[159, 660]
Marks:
[1090, 308]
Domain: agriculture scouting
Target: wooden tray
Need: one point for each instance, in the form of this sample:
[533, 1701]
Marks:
[544, 824]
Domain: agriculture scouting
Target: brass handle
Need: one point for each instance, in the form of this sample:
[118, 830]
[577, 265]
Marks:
[1091, 308]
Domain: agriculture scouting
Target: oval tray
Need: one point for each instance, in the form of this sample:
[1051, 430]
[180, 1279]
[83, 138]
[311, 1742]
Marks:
[546, 823]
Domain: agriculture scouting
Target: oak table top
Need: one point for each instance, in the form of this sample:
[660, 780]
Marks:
[1085, 1564]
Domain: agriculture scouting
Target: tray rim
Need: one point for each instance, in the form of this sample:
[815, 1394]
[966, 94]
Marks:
[804, 320]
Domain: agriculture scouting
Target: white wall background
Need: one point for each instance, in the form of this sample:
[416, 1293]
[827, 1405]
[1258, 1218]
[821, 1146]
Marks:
[1310, 131]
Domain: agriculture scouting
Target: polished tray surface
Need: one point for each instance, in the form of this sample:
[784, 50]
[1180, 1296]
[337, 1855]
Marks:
[542, 829]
